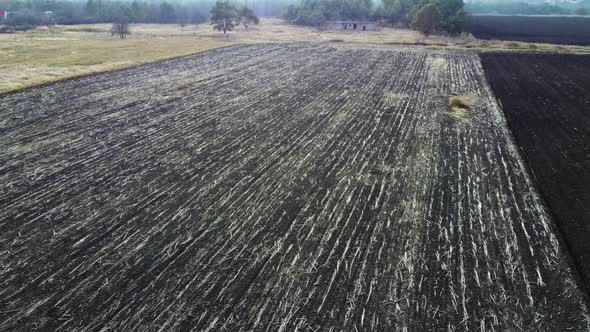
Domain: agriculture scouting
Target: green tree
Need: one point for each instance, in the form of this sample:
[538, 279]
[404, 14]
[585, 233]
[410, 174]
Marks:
[427, 19]
[224, 16]
[313, 12]
[397, 11]
[353, 9]
[455, 24]
[452, 15]
[247, 16]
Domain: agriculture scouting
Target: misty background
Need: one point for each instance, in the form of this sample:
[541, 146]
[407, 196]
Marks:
[30, 13]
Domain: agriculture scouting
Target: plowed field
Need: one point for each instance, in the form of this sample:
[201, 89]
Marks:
[545, 98]
[274, 187]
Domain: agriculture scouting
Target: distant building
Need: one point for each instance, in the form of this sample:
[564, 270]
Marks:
[350, 25]
[3, 14]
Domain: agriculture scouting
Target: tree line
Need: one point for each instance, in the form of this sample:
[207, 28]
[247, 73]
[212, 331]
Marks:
[428, 16]
[24, 13]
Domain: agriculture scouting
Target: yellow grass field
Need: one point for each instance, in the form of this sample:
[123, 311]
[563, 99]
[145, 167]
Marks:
[43, 55]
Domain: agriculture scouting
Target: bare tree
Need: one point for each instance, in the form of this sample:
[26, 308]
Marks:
[120, 27]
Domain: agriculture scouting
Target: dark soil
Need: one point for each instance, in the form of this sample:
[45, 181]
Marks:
[547, 104]
[574, 30]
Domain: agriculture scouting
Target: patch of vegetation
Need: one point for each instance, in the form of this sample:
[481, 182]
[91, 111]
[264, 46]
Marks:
[36, 57]
[461, 106]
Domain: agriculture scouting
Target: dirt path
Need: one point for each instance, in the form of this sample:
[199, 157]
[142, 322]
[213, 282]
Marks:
[274, 187]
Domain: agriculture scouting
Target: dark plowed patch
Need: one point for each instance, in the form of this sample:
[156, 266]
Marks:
[546, 99]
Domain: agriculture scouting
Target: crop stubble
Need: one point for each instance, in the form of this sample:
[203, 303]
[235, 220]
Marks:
[274, 187]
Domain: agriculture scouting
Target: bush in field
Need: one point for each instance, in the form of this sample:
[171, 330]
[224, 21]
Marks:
[427, 19]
